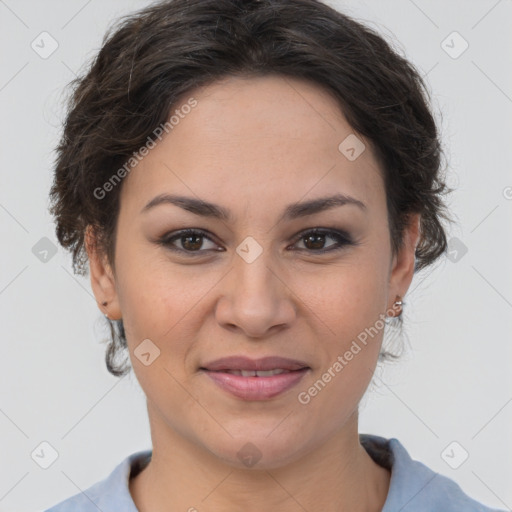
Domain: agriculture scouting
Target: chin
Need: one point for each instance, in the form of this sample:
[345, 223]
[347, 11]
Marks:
[258, 450]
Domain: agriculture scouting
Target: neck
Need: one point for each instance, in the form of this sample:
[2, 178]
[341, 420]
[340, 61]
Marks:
[337, 475]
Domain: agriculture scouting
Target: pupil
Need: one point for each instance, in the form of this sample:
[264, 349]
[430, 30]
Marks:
[317, 236]
[197, 245]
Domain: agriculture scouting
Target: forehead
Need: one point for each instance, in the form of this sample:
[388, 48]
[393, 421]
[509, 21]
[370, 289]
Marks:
[256, 140]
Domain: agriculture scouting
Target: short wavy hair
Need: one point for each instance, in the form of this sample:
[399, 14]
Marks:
[150, 59]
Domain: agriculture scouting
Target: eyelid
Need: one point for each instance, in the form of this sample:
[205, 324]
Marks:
[167, 239]
[341, 233]
[342, 238]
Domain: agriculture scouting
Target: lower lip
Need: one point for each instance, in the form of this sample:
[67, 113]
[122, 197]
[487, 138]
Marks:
[256, 388]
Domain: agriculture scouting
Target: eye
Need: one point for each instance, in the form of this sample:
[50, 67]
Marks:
[192, 241]
[314, 240]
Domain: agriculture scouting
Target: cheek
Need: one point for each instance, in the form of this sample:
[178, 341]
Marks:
[348, 303]
[350, 354]
[161, 301]
[348, 296]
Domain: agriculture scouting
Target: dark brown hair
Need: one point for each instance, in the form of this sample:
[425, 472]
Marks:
[152, 58]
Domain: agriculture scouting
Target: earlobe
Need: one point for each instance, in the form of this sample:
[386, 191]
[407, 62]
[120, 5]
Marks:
[405, 260]
[102, 277]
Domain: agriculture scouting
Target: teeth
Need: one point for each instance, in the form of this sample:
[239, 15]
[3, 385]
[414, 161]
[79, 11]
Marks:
[269, 373]
[254, 373]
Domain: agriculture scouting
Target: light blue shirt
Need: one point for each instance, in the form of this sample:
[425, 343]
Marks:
[413, 486]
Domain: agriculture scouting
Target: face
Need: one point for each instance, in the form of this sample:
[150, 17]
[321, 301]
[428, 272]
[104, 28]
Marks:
[258, 282]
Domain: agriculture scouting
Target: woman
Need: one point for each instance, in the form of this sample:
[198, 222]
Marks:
[253, 185]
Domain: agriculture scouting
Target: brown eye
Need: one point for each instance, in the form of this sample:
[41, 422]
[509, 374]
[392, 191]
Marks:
[314, 240]
[191, 241]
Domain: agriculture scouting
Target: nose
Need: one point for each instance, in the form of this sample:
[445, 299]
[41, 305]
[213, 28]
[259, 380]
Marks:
[256, 297]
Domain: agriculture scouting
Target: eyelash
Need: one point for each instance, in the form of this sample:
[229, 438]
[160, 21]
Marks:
[342, 238]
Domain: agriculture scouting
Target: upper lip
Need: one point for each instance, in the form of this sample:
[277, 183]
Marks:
[262, 364]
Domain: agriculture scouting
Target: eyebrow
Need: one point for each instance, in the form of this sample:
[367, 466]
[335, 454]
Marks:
[292, 211]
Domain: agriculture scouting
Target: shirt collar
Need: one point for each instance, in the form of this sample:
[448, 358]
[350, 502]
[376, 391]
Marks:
[413, 486]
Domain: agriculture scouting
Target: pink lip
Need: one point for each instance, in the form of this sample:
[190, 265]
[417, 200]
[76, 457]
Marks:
[245, 363]
[256, 388]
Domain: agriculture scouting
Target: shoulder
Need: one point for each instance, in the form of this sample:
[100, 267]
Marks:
[414, 486]
[111, 494]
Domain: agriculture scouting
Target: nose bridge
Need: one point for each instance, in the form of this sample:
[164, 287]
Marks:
[254, 273]
[255, 299]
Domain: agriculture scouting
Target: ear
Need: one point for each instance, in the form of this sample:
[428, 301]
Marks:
[402, 266]
[102, 277]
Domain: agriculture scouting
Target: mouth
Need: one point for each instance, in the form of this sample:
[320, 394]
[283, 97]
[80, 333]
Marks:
[255, 379]
[255, 373]
[243, 363]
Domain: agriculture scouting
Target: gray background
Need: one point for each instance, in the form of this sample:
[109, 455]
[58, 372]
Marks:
[454, 384]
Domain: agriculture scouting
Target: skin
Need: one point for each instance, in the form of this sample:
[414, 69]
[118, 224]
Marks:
[255, 145]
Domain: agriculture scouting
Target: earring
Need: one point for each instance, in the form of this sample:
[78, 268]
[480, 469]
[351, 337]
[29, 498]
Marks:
[398, 305]
[106, 314]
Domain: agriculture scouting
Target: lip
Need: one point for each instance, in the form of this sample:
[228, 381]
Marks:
[256, 388]
[262, 364]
